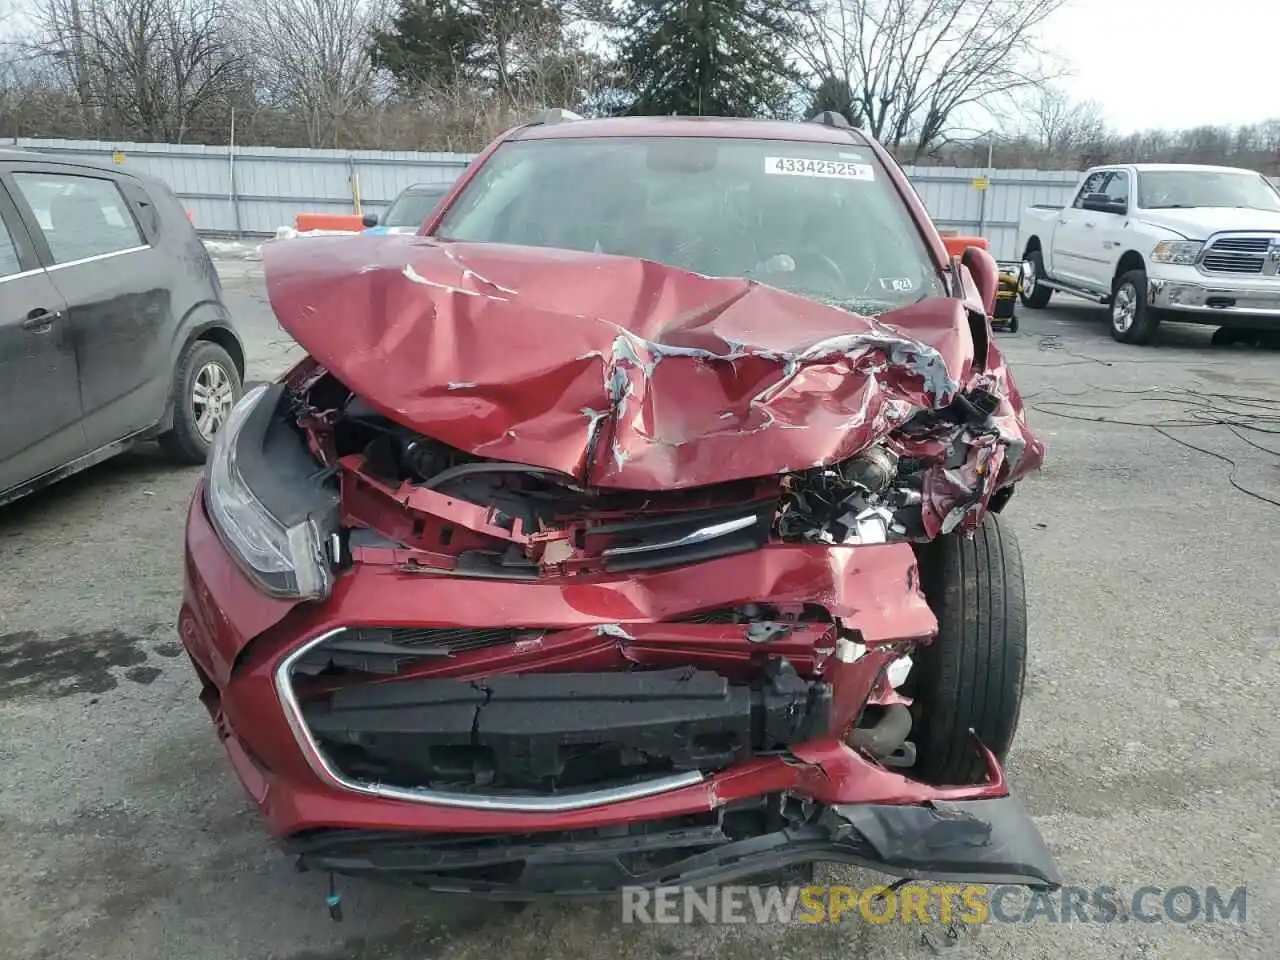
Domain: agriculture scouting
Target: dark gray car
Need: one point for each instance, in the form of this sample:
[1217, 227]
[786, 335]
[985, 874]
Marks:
[112, 326]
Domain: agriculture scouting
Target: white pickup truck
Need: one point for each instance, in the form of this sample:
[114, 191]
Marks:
[1196, 244]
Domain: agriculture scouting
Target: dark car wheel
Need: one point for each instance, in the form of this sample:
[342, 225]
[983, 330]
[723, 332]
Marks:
[971, 676]
[1132, 321]
[206, 385]
[1031, 291]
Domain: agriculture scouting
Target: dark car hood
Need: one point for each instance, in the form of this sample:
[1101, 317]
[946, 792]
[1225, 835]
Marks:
[617, 371]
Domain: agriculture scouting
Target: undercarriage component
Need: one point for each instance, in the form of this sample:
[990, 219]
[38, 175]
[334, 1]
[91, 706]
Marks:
[888, 733]
[549, 731]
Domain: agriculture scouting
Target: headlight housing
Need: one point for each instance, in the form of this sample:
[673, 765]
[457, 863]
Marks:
[283, 557]
[1183, 252]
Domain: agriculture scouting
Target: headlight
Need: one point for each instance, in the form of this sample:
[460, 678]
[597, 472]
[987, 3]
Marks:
[1177, 251]
[284, 561]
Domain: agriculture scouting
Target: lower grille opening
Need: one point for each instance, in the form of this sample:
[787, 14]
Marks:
[588, 860]
[547, 734]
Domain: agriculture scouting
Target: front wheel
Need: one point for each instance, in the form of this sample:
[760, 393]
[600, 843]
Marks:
[1132, 320]
[971, 676]
[1031, 289]
[206, 385]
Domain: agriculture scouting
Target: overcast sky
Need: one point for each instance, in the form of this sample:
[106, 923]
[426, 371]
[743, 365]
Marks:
[1168, 64]
[1172, 63]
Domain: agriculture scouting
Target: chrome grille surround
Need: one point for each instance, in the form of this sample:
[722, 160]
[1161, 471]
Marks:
[1254, 254]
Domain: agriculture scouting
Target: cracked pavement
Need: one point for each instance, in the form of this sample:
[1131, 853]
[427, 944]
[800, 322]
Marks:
[1147, 751]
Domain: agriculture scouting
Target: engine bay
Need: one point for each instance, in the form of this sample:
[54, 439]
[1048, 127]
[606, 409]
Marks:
[443, 509]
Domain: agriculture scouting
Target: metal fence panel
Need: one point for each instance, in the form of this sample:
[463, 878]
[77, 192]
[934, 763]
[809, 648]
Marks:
[255, 190]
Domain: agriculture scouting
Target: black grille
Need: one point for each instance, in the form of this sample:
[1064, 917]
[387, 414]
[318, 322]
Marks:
[455, 639]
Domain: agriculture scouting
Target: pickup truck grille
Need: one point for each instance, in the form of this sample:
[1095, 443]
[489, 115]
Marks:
[1240, 255]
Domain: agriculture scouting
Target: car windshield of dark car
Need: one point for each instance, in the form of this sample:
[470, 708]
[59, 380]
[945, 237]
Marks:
[818, 219]
[1173, 189]
[412, 207]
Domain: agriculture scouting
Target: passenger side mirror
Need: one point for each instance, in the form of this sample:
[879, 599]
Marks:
[370, 220]
[986, 275]
[1101, 203]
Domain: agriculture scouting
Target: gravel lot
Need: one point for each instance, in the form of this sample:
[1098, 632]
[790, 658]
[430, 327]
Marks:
[1149, 751]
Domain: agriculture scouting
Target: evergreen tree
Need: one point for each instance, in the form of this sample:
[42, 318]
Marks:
[709, 57]
[430, 41]
[489, 43]
[835, 94]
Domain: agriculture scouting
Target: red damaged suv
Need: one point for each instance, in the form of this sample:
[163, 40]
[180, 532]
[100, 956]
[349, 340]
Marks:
[633, 523]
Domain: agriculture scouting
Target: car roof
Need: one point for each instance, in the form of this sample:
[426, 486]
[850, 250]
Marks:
[1187, 168]
[729, 128]
[34, 156]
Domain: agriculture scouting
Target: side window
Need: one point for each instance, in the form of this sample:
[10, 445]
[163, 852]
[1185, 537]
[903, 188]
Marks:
[9, 264]
[1117, 189]
[1092, 184]
[80, 216]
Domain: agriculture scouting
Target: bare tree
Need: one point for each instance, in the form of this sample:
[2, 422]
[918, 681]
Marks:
[913, 65]
[1063, 129]
[148, 67]
[313, 59]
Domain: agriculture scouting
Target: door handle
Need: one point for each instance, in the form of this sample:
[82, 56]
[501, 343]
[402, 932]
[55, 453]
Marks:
[1090, 224]
[1062, 220]
[39, 320]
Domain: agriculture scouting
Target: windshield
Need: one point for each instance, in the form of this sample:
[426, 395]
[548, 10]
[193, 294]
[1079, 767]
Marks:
[821, 220]
[1167, 189]
[412, 206]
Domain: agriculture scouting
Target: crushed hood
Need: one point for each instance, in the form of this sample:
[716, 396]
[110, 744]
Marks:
[620, 372]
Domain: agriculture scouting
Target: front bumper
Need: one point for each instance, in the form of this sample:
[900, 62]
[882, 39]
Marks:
[974, 841]
[1257, 304]
[857, 810]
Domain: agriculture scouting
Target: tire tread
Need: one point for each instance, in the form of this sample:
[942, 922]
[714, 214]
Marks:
[973, 673]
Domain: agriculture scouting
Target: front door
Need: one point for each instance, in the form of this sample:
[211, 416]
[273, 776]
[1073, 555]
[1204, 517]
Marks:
[40, 425]
[1109, 234]
[1075, 236]
[117, 291]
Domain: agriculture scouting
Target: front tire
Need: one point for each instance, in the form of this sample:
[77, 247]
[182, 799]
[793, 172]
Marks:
[1132, 321]
[972, 675]
[1033, 292]
[206, 385]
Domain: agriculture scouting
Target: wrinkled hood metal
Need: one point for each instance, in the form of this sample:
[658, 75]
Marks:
[616, 371]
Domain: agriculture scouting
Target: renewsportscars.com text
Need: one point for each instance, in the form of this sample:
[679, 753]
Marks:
[929, 903]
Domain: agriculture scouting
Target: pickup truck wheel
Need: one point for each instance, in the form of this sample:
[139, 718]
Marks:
[206, 385]
[1031, 291]
[971, 676]
[1132, 321]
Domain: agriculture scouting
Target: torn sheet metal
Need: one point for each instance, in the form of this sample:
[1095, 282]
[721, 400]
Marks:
[625, 373]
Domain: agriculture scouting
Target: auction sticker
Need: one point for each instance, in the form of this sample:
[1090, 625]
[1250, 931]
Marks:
[829, 169]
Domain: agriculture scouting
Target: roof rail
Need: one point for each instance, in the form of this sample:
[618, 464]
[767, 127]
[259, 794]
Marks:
[829, 118]
[553, 115]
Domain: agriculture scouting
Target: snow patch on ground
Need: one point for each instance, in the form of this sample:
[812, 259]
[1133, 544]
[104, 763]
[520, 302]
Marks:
[248, 250]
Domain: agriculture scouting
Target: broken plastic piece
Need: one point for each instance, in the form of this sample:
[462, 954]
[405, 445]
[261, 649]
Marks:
[334, 902]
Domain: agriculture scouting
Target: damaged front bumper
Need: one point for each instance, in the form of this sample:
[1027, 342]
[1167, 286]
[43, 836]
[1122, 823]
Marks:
[743, 721]
[969, 841]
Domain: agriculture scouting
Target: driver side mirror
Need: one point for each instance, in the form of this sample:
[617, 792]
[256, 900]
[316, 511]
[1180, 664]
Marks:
[370, 220]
